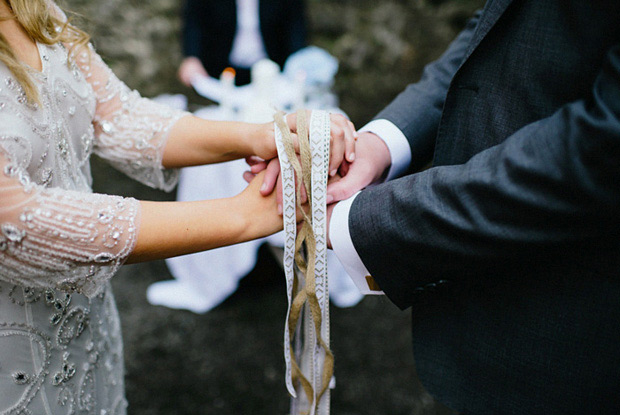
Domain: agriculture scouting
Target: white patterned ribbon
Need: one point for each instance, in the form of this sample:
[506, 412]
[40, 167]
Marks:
[308, 352]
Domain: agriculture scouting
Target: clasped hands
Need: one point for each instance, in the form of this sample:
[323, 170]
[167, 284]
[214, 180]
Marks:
[356, 161]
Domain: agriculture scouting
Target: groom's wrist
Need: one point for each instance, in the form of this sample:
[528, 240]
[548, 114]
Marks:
[396, 142]
[381, 157]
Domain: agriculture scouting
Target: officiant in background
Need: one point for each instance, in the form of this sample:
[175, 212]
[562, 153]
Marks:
[238, 33]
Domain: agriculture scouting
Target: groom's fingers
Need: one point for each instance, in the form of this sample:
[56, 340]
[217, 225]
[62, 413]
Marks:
[344, 129]
[343, 136]
[340, 190]
[342, 140]
[337, 152]
[350, 142]
[355, 180]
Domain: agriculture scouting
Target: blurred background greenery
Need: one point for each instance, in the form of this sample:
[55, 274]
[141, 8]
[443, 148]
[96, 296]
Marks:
[230, 360]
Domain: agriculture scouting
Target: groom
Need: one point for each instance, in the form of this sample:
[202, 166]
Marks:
[508, 248]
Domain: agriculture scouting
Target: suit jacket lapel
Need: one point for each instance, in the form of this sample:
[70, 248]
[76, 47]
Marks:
[493, 11]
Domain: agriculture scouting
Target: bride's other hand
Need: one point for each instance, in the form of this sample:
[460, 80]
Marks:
[260, 212]
[271, 179]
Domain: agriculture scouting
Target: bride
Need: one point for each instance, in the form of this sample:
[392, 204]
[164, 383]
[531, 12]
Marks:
[60, 340]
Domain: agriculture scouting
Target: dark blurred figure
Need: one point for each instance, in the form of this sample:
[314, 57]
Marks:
[238, 33]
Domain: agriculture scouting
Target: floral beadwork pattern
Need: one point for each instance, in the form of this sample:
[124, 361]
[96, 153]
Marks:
[130, 131]
[60, 339]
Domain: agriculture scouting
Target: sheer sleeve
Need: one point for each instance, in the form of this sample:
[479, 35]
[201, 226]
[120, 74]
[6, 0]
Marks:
[60, 239]
[130, 131]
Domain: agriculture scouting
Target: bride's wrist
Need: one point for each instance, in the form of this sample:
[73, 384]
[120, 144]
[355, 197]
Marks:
[262, 142]
[248, 220]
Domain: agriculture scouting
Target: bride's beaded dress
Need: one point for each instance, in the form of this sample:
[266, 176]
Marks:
[60, 339]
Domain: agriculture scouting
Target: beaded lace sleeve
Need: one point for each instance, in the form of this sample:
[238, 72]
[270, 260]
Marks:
[130, 131]
[59, 239]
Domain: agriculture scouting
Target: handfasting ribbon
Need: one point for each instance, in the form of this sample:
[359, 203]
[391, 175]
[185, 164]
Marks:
[308, 290]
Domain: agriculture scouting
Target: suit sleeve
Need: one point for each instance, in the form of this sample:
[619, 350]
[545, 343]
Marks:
[192, 28]
[550, 188]
[417, 110]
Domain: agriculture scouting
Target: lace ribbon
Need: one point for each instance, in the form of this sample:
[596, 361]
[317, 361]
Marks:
[307, 289]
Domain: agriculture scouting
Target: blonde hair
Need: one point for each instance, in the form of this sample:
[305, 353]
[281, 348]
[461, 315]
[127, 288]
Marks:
[44, 23]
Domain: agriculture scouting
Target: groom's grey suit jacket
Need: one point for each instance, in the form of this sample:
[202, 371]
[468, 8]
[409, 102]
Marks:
[508, 248]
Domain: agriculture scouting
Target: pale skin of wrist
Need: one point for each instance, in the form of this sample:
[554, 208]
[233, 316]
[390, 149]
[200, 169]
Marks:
[195, 141]
[177, 228]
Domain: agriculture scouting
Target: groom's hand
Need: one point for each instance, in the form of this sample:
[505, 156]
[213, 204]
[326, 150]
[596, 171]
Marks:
[342, 149]
[343, 139]
[370, 166]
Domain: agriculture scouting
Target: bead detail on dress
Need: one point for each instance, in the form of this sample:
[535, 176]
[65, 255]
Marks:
[13, 233]
[21, 378]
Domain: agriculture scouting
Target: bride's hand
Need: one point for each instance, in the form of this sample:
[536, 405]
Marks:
[259, 212]
[271, 180]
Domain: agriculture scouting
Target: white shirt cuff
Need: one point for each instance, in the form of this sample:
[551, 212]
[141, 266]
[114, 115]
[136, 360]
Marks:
[397, 144]
[342, 246]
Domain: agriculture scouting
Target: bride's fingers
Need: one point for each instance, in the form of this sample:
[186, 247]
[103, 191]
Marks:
[252, 160]
[272, 173]
[256, 164]
[291, 120]
[258, 167]
[248, 176]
